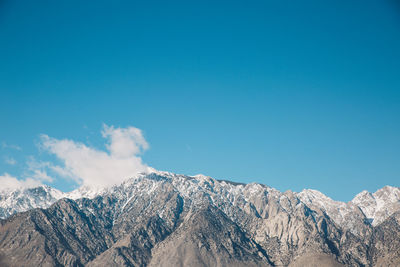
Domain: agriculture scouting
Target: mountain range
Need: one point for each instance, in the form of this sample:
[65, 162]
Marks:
[166, 219]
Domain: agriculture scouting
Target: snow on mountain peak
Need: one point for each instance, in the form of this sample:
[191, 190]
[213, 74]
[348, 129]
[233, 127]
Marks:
[339, 212]
[365, 207]
[379, 205]
[22, 199]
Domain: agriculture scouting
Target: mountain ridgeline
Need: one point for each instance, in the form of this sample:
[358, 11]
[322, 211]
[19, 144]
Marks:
[165, 219]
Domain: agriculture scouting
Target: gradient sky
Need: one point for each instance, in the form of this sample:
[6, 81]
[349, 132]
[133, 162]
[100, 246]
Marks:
[291, 94]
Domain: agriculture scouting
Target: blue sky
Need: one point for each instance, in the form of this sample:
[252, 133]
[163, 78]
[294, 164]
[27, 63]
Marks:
[292, 94]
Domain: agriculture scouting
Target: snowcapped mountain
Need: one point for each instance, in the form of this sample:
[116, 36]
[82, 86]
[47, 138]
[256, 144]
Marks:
[23, 199]
[374, 208]
[167, 219]
[379, 205]
[366, 207]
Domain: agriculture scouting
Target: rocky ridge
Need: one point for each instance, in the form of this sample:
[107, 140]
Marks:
[165, 219]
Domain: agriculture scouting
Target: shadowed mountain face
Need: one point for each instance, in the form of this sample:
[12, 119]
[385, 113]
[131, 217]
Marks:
[163, 219]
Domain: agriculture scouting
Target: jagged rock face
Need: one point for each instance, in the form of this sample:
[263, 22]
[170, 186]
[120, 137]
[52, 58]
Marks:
[164, 219]
[208, 237]
[386, 240]
[379, 205]
[60, 235]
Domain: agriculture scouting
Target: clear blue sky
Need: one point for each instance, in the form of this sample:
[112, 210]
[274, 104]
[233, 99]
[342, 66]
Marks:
[292, 94]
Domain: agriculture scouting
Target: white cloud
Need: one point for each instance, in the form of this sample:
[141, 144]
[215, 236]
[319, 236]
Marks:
[38, 170]
[93, 167]
[41, 175]
[9, 182]
[10, 161]
[35, 176]
[124, 143]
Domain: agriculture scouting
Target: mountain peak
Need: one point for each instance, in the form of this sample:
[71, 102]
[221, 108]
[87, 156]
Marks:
[156, 217]
[376, 207]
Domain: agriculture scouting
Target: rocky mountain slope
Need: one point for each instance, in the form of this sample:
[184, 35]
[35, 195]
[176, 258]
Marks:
[165, 219]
